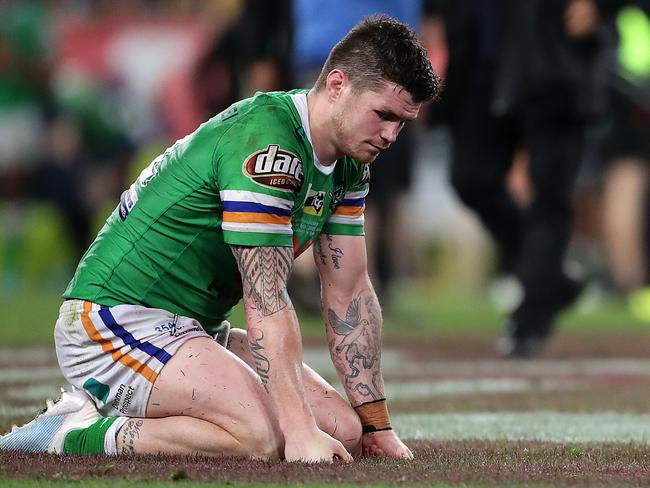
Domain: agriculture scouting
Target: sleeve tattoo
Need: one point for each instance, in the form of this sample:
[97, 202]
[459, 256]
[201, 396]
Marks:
[265, 272]
[355, 346]
[262, 363]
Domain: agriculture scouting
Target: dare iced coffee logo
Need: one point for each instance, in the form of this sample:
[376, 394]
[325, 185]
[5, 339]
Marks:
[274, 168]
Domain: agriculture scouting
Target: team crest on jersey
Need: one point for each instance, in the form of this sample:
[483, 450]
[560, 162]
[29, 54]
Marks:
[314, 203]
[274, 168]
[337, 195]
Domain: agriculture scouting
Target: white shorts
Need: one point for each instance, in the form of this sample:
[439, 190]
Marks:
[116, 353]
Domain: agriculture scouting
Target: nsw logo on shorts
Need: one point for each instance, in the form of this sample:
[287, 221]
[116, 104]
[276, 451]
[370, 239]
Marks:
[274, 168]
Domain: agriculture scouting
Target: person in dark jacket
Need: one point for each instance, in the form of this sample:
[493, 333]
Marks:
[524, 75]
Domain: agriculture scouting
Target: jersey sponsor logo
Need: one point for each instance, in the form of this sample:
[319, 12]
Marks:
[123, 398]
[274, 168]
[314, 203]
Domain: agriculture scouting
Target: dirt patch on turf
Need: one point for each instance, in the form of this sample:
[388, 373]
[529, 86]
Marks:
[436, 462]
[561, 346]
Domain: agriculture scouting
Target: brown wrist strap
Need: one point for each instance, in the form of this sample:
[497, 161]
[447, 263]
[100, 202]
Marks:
[374, 416]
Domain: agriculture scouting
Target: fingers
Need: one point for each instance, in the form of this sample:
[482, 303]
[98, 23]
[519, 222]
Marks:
[323, 449]
[342, 453]
[339, 451]
[385, 444]
[407, 454]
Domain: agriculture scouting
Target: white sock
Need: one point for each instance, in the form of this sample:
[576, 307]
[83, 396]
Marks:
[110, 441]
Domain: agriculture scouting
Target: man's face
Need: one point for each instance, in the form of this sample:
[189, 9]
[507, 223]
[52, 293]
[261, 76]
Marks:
[367, 122]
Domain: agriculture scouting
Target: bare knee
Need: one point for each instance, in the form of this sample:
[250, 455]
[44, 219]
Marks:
[260, 440]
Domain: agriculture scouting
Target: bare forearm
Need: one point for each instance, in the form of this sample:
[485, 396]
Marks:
[354, 337]
[276, 349]
[273, 332]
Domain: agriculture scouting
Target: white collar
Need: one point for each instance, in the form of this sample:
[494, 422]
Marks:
[300, 102]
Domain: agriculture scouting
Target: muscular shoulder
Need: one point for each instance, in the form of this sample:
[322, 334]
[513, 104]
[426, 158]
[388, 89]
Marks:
[266, 115]
[265, 144]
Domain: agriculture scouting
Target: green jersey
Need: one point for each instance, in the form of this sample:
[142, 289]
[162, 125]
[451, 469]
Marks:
[248, 176]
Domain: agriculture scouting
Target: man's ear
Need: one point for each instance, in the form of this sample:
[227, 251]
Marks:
[337, 80]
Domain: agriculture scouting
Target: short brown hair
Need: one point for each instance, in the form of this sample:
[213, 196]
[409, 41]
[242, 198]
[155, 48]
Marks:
[382, 49]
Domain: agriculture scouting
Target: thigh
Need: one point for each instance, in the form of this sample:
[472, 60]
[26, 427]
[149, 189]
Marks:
[206, 381]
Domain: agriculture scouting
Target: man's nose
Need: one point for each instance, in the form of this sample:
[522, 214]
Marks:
[389, 132]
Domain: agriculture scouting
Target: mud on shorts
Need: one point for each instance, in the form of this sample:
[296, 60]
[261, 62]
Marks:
[116, 353]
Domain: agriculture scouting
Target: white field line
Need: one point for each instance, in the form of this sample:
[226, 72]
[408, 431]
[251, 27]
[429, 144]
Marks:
[396, 362]
[14, 375]
[541, 426]
[424, 389]
[550, 367]
[10, 411]
[26, 355]
[36, 393]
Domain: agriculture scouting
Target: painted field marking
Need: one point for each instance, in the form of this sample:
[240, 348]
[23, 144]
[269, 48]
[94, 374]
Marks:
[397, 362]
[35, 392]
[13, 356]
[547, 367]
[516, 426]
[12, 411]
[16, 375]
[405, 390]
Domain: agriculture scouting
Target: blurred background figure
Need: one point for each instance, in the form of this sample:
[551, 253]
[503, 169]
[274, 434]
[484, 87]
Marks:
[24, 66]
[252, 54]
[626, 155]
[525, 81]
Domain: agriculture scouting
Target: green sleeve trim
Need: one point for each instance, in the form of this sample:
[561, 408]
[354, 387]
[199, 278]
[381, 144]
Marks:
[257, 239]
[343, 229]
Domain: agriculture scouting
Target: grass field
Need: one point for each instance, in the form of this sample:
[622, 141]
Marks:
[578, 416]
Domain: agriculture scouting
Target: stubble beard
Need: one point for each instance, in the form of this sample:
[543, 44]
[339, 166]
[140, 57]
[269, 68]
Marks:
[345, 144]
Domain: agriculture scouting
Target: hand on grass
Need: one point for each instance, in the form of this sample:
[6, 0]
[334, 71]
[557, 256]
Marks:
[385, 443]
[317, 447]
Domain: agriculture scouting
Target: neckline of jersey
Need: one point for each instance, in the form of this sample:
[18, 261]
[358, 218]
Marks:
[300, 102]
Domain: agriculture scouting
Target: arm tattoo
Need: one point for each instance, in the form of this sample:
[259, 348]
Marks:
[337, 253]
[319, 251]
[355, 347]
[265, 271]
[262, 363]
[129, 433]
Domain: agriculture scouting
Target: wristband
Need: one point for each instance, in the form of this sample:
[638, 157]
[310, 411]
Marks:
[373, 416]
